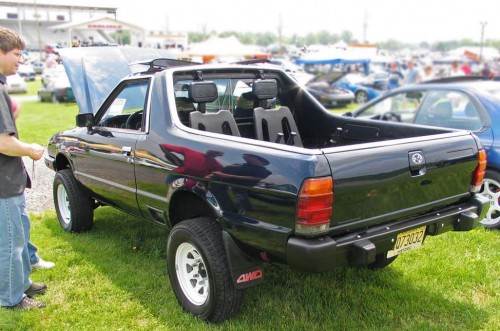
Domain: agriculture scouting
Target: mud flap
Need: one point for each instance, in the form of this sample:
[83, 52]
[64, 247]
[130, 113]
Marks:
[245, 270]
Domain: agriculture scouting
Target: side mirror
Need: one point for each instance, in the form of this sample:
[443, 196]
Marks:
[348, 114]
[85, 120]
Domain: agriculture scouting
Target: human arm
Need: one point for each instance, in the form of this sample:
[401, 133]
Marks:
[11, 146]
[16, 108]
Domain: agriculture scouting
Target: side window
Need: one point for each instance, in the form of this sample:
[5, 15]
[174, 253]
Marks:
[449, 109]
[127, 109]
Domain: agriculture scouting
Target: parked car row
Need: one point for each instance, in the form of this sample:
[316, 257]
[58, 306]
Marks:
[329, 95]
[57, 89]
[27, 72]
[16, 84]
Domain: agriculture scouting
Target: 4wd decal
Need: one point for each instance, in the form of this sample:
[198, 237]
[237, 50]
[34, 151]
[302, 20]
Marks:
[250, 276]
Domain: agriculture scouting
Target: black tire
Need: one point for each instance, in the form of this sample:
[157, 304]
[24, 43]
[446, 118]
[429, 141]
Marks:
[382, 261]
[199, 271]
[75, 210]
[361, 96]
[491, 190]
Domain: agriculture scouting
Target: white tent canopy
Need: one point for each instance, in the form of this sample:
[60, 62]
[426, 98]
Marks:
[223, 47]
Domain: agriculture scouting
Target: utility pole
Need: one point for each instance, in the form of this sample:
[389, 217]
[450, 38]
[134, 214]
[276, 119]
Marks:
[40, 49]
[280, 30]
[365, 27]
[483, 25]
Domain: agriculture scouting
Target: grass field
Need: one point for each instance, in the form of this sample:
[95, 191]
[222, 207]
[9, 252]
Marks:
[114, 278]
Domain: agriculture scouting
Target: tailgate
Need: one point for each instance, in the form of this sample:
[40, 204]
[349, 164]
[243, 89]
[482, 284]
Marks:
[376, 183]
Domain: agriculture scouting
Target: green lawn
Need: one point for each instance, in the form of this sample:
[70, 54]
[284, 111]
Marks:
[114, 278]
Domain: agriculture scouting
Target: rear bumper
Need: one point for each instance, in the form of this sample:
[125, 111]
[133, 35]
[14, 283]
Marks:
[324, 253]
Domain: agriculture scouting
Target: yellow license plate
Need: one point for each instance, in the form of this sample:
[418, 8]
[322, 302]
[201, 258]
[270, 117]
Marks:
[407, 241]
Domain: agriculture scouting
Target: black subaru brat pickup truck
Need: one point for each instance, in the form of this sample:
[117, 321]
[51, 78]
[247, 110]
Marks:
[244, 166]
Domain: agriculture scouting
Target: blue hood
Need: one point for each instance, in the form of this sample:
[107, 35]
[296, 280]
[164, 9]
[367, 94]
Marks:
[95, 71]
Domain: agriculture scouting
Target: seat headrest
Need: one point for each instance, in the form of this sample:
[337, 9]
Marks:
[443, 109]
[204, 91]
[265, 89]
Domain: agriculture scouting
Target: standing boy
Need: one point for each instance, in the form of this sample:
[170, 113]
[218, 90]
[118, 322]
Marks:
[16, 288]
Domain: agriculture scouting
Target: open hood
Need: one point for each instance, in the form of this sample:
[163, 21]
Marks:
[95, 71]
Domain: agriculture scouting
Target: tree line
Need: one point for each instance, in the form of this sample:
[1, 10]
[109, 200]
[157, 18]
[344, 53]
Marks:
[325, 38]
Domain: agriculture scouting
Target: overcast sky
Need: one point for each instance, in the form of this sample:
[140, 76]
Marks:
[406, 21]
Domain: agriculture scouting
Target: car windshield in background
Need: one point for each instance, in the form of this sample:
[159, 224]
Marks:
[402, 106]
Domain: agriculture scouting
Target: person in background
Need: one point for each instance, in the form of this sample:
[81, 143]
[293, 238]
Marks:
[16, 287]
[455, 70]
[412, 74]
[396, 77]
[486, 72]
[428, 73]
[466, 69]
[36, 261]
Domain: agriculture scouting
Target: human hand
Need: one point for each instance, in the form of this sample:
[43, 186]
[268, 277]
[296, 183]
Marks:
[36, 152]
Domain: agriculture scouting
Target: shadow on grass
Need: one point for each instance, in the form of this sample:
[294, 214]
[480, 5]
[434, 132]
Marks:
[130, 255]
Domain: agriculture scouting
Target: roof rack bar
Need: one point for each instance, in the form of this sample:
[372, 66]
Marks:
[253, 61]
[160, 64]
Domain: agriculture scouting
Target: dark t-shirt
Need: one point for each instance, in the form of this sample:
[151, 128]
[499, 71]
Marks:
[13, 176]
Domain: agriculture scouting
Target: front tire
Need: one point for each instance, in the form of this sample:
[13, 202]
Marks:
[199, 271]
[75, 210]
[491, 190]
[361, 96]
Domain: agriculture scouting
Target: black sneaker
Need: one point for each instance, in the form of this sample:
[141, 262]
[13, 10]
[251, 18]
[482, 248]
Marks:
[27, 304]
[35, 289]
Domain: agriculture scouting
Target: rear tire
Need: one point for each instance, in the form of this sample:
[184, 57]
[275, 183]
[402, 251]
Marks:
[75, 210]
[199, 271]
[491, 190]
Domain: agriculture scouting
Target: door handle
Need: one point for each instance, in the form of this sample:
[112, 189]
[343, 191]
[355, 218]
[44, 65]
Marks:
[126, 150]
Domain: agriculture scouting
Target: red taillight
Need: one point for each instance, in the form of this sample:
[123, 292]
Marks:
[314, 207]
[478, 174]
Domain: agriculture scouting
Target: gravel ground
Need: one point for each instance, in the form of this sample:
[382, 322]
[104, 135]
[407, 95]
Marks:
[39, 197]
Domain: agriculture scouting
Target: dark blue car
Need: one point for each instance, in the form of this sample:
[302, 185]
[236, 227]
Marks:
[356, 84]
[472, 104]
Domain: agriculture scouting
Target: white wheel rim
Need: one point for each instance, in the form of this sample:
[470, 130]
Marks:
[192, 273]
[491, 190]
[63, 205]
[362, 97]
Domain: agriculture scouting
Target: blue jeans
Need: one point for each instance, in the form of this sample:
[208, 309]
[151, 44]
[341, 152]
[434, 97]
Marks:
[32, 249]
[15, 267]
